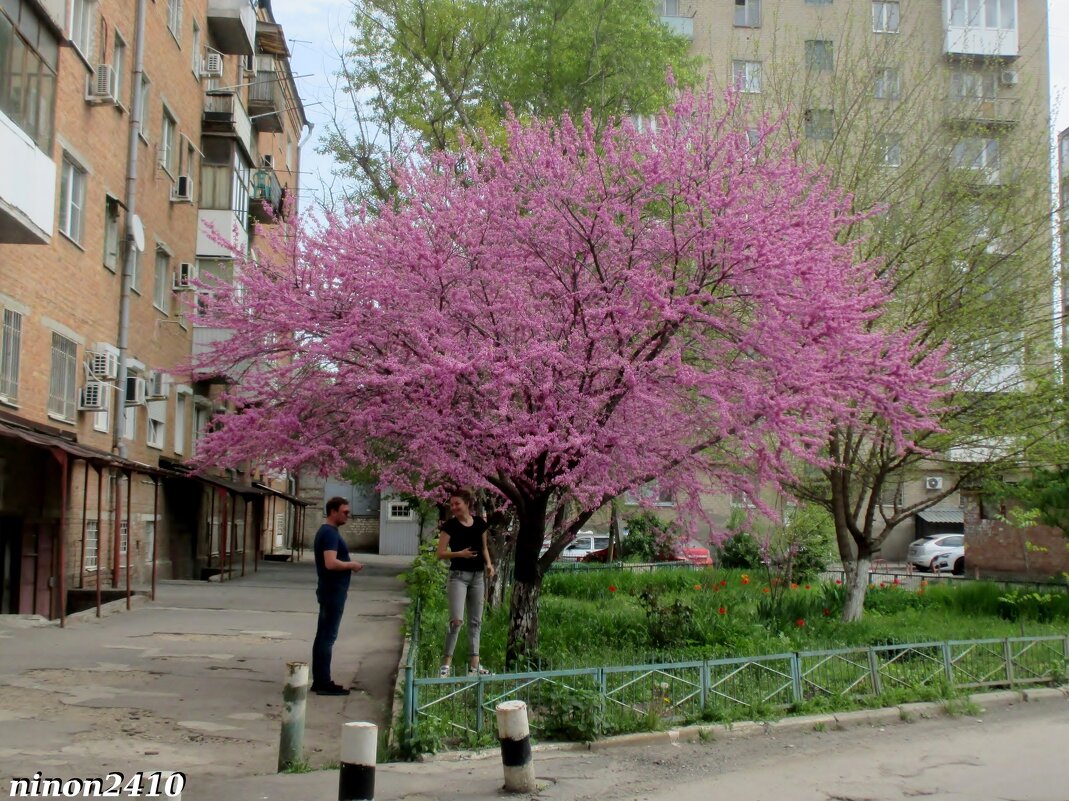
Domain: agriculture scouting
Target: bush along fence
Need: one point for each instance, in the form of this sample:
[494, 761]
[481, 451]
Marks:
[584, 703]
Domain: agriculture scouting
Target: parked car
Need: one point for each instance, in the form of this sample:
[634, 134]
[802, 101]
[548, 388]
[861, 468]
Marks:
[923, 553]
[950, 562]
[586, 542]
[692, 553]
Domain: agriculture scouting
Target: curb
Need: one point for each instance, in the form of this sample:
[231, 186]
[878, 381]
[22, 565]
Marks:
[137, 599]
[901, 714]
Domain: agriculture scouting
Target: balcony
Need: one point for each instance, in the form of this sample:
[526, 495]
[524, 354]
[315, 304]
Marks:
[265, 97]
[224, 115]
[227, 224]
[232, 24]
[680, 26]
[989, 110]
[205, 338]
[265, 202]
[27, 188]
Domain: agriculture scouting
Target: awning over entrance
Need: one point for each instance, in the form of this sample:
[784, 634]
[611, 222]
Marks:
[94, 456]
[942, 516]
[291, 498]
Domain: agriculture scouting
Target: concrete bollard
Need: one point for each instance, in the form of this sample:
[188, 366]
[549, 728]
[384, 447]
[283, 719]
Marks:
[359, 744]
[167, 784]
[515, 737]
[294, 701]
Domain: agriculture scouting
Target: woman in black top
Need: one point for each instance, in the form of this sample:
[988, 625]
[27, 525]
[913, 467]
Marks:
[463, 542]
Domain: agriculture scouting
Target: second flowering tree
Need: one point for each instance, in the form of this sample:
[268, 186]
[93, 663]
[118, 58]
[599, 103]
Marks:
[568, 317]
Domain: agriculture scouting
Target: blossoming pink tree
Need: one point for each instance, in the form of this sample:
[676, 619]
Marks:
[566, 318]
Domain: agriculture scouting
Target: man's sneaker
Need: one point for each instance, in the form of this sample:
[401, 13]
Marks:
[478, 671]
[444, 671]
[330, 689]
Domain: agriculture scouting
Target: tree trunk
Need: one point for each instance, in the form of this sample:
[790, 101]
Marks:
[527, 582]
[523, 623]
[615, 552]
[857, 584]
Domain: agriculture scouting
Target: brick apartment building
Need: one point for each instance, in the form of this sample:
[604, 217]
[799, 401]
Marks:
[129, 131]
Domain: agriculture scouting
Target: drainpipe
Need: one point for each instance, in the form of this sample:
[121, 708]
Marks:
[118, 446]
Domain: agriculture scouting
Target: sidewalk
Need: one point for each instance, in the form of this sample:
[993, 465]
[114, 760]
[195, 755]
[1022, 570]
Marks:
[193, 682]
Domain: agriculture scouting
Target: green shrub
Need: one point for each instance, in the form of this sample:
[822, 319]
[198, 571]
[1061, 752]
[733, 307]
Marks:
[741, 552]
[649, 539]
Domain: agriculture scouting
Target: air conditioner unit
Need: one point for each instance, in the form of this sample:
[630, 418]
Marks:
[1008, 77]
[93, 396]
[100, 86]
[103, 365]
[182, 192]
[184, 276]
[212, 66]
[933, 483]
[135, 390]
[156, 388]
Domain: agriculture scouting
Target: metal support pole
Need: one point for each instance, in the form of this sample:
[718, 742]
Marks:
[356, 779]
[85, 521]
[294, 698]
[224, 536]
[129, 531]
[874, 672]
[100, 528]
[155, 530]
[116, 517]
[244, 532]
[515, 737]
[61, 549]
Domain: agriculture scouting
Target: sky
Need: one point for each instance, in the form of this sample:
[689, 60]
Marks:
[316, 28]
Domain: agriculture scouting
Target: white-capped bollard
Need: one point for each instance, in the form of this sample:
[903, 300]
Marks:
[356, 779]
[294, 701]
[515, 737]
[167, 784]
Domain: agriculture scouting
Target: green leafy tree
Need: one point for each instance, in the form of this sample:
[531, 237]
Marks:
[425, 72]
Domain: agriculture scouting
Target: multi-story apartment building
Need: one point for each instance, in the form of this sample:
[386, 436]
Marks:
[130, 131]
[937, 110]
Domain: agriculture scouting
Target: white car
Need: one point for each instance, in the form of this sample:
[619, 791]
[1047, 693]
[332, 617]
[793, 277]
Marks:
[585, 542]
[937, 550]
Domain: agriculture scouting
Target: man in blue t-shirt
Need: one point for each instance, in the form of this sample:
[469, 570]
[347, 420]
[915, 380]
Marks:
[334, 570]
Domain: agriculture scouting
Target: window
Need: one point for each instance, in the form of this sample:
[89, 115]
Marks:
[888, 84]
[161, 288]
[174, 18]
[157, 423]
[124, 542]
[143, 130]
[399, 511]
[111, 233]
[135, 270]
[118, 62]
[746, 75]
[976, 153]
[180, 412]
[92, 543]
[890, 150]
[819, 123]
[748, 13]
[1000, 14]
[973, 84]
[818, 55]
[62, 387]
[71, 200]
[82, 23]
[29, 57]
[10, 346]
[129, 421]
[150, 541]
[196, 49]
[102, 419]
[885, 16]
[168, 136]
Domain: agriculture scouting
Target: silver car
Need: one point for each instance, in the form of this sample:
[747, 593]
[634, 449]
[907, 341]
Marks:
[940, 551]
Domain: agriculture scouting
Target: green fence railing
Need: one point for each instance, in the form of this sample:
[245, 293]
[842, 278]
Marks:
[636, 697]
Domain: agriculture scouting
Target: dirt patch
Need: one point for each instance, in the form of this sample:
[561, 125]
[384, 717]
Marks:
[243, 638]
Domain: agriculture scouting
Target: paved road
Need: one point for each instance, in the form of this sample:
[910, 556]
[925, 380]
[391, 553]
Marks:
[194, 681]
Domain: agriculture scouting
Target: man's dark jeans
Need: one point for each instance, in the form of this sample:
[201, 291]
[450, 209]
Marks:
[331, 606]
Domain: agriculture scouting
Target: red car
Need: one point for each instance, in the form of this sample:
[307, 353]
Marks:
[689, 552]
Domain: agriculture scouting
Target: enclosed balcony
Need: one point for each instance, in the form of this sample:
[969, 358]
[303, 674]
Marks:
[232, 25]
[980, 28]
[27, 188]
[265, 200]
[265, 97]
[989, 110]
[224, 115]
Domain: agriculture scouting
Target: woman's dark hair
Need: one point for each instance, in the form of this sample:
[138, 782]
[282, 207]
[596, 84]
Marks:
[336, 503]
[464, 495]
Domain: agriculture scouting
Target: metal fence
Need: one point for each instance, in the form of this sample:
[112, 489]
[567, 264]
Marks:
[638, 697]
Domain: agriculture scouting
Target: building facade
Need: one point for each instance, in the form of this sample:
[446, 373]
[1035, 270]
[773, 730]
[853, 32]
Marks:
[143, 141]
[937, 111]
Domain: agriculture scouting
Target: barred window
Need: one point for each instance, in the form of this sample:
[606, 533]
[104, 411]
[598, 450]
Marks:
[62, 386]
[10, 344]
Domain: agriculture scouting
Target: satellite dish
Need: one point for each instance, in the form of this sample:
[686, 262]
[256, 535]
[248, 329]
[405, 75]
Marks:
[137, 231]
